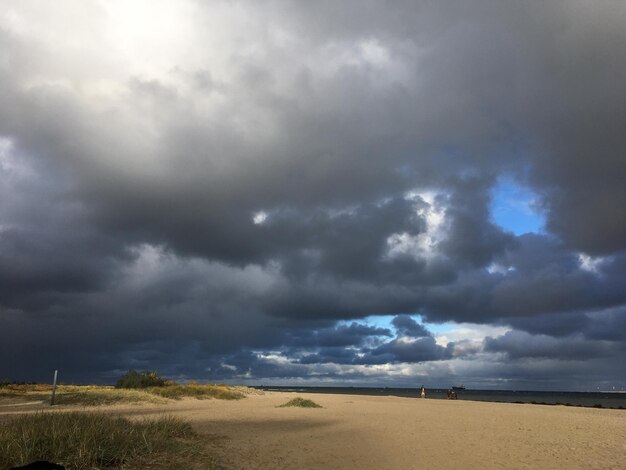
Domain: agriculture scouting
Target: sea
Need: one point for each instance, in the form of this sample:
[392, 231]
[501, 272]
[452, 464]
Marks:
[615, 400]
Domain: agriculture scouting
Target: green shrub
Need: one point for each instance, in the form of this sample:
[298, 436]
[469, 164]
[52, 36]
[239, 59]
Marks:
[301, 402]
[134, 379]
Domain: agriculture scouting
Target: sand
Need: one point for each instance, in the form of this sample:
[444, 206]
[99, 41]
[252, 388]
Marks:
[363, 432]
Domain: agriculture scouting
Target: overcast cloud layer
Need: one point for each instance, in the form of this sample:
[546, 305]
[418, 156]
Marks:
[231, 190]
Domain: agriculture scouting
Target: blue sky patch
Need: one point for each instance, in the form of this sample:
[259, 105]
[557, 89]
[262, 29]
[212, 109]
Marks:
[384, 321]
[514, 207]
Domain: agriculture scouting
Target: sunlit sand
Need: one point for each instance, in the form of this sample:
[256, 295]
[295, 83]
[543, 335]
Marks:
[353, 431]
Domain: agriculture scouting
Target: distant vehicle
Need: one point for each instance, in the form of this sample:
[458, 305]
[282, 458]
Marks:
[458, 387]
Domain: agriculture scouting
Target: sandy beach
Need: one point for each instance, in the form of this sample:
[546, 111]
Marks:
[353, 432]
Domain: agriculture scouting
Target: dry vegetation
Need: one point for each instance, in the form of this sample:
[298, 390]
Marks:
[98, 440]
[91, 395]
[199, 391]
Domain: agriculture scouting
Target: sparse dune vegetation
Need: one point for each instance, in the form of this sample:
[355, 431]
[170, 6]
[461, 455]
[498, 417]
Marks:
[86, 395]
[152, 383]
[200, 391]
[133, 387]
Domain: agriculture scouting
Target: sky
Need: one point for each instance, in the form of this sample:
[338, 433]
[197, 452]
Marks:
[356, 193]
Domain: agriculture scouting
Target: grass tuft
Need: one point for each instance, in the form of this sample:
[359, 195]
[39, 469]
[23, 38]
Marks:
[301, 402]
[96, 440]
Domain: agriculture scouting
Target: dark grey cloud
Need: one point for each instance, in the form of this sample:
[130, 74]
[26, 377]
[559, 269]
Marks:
[603, 325]
[346, 335]
[420, 350]
[192, 198]
[517, 344]
[330, 355]
[536, 276]
[407, 326]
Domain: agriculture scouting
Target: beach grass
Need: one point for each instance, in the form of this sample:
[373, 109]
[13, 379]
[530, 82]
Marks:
[95, 395]
[12, 390]
[199, 391]
[301, 403]
[80, 440]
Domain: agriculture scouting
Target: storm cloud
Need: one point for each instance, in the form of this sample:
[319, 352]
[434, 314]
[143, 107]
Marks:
[304, 191]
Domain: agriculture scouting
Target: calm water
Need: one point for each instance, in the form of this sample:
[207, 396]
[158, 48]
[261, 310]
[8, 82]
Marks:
[591, 399]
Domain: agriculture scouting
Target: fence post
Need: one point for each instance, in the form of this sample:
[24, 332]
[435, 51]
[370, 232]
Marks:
[54, 387]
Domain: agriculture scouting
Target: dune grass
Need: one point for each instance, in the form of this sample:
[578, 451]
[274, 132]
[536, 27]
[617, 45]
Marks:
[97, 395]
[98, 440]
[86, 395]
[301, 403]
[199, 391]
[13, 390]
[92, 395]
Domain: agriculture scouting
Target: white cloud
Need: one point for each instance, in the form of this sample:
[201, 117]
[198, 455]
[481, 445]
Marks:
[589, 263]
[471, 332]
[495, 268]
[7, 161]
[259, 217]
[430, 207]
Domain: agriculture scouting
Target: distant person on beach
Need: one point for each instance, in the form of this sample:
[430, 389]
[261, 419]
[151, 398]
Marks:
[423, 393]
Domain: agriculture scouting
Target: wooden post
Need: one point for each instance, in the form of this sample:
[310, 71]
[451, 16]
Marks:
[54, 387]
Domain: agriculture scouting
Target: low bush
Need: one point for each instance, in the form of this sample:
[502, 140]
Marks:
[134, 379]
